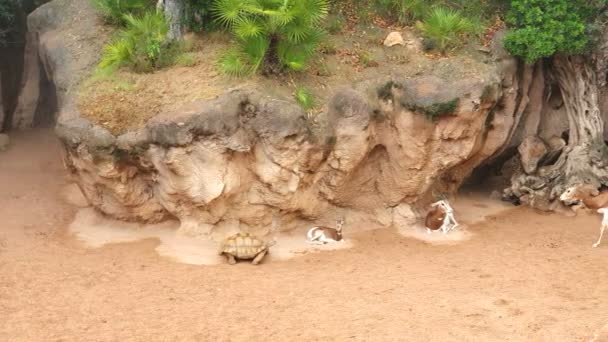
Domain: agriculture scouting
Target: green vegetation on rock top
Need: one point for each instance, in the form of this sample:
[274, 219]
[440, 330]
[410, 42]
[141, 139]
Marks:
[542, 28]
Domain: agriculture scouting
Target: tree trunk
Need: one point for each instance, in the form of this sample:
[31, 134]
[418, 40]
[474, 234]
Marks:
[272, 62]
[174, 13]
[585, 158]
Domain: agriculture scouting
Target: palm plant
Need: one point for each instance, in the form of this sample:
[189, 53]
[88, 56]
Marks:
[139, 45]
[445, 27]
[113, 11]
[273, 34]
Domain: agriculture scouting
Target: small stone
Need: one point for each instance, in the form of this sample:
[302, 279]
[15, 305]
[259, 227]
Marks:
[484, 49]
[531, 150]
[394, 38]
[4, 142]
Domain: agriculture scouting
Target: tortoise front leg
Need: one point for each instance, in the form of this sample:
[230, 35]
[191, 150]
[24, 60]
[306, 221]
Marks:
[231, 259]
[259, 257]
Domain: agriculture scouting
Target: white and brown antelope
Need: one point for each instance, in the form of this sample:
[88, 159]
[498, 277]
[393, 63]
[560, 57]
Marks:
[441, 217]
[591, 198]
[321, 234]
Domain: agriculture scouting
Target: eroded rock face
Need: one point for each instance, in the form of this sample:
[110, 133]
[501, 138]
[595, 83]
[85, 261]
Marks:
[245, 157]
[247, 161]
[531, 150]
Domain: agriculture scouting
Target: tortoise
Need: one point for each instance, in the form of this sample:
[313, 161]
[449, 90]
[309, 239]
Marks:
[245, 246]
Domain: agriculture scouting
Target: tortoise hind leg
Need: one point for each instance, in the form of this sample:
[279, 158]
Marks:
[259, 257]
[231, 259]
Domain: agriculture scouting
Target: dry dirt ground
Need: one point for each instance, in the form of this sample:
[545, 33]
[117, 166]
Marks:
[523, 276]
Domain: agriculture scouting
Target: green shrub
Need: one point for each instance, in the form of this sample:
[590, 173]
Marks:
[405, 11]
[305, 98]
[7, 17]
[436, 110]
[272, 34]
[114, 11]
[445, 28]
[140, 45]
[187, 59]
[542, 28]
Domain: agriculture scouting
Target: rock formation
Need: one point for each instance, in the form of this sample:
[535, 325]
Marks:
[385, 147]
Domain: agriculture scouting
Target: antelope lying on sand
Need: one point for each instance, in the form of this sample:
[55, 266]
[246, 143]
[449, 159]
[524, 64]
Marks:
[320, 234]
[441, 217]
[591, 198]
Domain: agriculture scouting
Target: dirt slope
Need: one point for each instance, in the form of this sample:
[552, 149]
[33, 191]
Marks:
[522, 277]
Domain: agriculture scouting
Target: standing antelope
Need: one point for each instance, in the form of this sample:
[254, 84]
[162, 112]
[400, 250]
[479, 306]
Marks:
[441, 217]
[591, 198]
[320, 234]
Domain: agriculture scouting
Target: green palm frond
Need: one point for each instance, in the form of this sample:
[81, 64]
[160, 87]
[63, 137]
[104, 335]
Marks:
[445, 26]
[256, 49]
[293, 23]
[140, 44]
[113, 11]
[234, 63]
[247, 28]
[228, 12]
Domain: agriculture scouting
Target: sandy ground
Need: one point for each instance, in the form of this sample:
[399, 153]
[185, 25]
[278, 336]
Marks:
[519, 276]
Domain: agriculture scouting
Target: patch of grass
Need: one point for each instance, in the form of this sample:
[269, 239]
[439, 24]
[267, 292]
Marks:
[305, 98]
[365, 13]
[404, 11]
[366, 59]
[114, 11]
[487, 94]
[108, 80]
[187, 59]
[327, 47]
[446, 28]
[335, 23]
[436, 110]
[385, 92]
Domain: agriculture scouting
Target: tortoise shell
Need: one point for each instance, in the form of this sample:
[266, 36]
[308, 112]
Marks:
[243, 246]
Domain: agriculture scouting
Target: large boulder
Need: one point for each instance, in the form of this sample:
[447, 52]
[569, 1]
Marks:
[531, 151]
[382, 149]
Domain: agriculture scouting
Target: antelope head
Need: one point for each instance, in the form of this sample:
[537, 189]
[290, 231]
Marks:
[577, 193]
[443, 205]
[339, 225]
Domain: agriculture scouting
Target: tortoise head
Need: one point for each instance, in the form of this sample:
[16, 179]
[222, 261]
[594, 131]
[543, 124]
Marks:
[271, 242]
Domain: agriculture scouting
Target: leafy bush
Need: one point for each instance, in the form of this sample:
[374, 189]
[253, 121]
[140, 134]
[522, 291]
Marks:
[405, 11]
[7, 16]
[271, 34]
[114, 11]
[140, 45]
[445, 27]
[542, 28]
